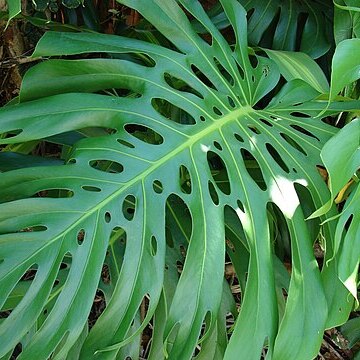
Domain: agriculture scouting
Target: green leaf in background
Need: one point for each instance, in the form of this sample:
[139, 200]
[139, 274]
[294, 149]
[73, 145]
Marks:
[296, 65]
[345, 65]
[349, 5]
[347, 236]
[279, 24]
[346, 20]
[351, 330]
[14, 8]
[341, 157]
[183, 164]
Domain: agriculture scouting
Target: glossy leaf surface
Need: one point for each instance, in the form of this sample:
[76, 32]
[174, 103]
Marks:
[188, 159]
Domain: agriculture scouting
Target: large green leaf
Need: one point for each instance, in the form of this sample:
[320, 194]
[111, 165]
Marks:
[190, 158]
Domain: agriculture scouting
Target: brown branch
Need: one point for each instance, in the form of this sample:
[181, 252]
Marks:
[18, 61]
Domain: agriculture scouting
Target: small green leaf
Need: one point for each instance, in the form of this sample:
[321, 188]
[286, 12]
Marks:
[351, 330]
[345, 65]
[296, 65]
[14, 7]
[341, 157]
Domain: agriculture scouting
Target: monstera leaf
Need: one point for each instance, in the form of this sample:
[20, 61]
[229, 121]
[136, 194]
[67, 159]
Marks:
[188, 159]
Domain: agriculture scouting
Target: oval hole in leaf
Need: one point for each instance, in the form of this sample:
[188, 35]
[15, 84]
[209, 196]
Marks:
[17, 351]
[304, 131]
[185, 179]
[276, 156]
[300, 114]
[205, 327]
[178, 220]
[266, 122]
[240, 205]
[66, 261]
[217, 111]
[181, 85]
[253, 168]
[153, 246]
[80, 236]
[236, 242]
[36, 228]
[11, 133]
[172, 112]
[122, 92]
[241, 71]
[119, 236]
[158, 186]
[55, 193]
[348, 222]
[145, 59]
[280, 232]
[254, 61]
[91, 188]
[219, 172]
[182, 251]
[224, 72]
[217, 145]
[98, 307]
[169, 238]
[107, 217]
[254, 129]
[231, 102]
[308, 207]
[105, 274]
[180, 266]
[125, 143]
[107, 166]
[202, 118]
[213, 194]
[293, 143]
[202, 77]
[21, 287]
[128, 207]
[144, 134]
[238, 138]
[30, 273]
[4, 314]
